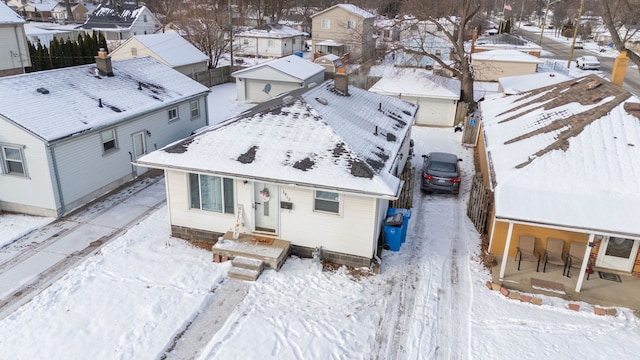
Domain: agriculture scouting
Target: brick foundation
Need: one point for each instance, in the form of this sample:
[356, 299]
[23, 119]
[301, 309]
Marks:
[331, 256]
[200, 238]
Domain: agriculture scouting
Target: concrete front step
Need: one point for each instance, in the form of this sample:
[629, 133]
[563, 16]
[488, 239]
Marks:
[247, 263]
[244, 274]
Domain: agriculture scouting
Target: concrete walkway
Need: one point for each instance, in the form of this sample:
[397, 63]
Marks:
[33, 262]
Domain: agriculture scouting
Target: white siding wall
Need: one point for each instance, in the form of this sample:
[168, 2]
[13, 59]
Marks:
[86, 173]
[139, 27]
[34, 194]
[255, 89]
[13, 40]
[436, 112]
[124, 52]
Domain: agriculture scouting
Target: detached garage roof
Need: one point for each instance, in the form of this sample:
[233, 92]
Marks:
[507, 56]
[291, 65]
[419, 85]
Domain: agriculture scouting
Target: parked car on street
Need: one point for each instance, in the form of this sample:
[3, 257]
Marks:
[588, 63]
[440, 173]
[578, 45]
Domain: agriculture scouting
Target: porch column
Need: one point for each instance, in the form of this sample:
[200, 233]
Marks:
[505, 255]
[585, 262]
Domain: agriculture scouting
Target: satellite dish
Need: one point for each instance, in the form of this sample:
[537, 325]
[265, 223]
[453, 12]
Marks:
[267, 88]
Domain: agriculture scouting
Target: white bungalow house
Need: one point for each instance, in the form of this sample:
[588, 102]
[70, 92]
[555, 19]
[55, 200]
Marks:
[494, 64]
[68, 136]
[169, 48]
[270, 79]
[121, 21]
[269, 40]
[436, 96]
[316, 168]
[14, 56]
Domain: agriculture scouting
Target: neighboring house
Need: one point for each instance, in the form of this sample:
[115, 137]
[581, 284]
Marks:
[14, 56]
[75, 131]
[436, 96]
[387, 32]
[122, 21]
[316, 168]
[79, 13]
[561, 162]
[341, 29]
[494, 64]
[505, 41]
[270, 79]
[427, 44]
[269, 40]
[521, 83]
[38, 11]
[44, 33]
[169, 48]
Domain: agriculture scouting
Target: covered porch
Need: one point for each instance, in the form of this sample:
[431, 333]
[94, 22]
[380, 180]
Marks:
[604, 291]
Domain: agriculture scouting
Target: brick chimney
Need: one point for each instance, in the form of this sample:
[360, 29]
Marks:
[341, 81]
[474, 38]
[619, 68]
[103, 63]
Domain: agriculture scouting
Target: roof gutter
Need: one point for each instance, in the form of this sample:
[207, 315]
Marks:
[274, 181]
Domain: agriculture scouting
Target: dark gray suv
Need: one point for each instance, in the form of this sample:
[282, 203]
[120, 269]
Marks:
[440, 173]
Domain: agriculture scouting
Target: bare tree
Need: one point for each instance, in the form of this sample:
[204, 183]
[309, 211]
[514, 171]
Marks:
[622, 15]
[451, 20]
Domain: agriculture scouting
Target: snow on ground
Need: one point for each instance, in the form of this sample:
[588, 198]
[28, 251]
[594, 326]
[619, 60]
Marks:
[13, 226]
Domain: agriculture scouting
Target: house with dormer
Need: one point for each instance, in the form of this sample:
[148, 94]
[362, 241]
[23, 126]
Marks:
[316, 168]
[75, 131]
[122, 21]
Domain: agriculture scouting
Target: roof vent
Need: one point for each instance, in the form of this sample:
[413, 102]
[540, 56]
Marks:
[322, 101]
[42, 90]
[313, 84]
[99, 102]
[287, 99]
[593, 85]
[139, 85]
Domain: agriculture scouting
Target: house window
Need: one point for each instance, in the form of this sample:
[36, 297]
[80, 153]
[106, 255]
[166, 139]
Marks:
[327, 201]
[438, 52]
[211, 193]
[326, 23]
[293, 41]
[351, 24]
[144, 18]
[173, 114]
[134, 51]
[270, 42]
[195, 109]
[245, 42]
[109, 141]
[12, 160]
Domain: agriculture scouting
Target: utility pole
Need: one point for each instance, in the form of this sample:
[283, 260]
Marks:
[575, 33]
[544, 19]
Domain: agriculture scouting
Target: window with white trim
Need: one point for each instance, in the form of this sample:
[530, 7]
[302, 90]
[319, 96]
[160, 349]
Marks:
[326, 201]
[211, 193]
[195, 109]
[270, 42]
[134, 51]
[109, 141]
[351, 24]
[12, 160]
[173, 114]
[245, 41]
[326, 23]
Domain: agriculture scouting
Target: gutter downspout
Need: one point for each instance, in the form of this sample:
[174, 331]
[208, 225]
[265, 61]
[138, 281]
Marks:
[15, 31]
[585, 262]
[56, 174]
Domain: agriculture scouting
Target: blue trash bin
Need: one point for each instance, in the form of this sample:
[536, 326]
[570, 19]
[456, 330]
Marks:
[393, 232]
[299, 53]
[406, 215]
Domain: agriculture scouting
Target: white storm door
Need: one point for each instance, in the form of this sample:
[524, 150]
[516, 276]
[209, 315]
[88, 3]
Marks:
[139, 149]
[617, 253]
[266, 207]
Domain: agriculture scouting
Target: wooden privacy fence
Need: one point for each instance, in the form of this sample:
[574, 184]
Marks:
[470, 130]
[479, 205]
[405, 201]
[212, 77]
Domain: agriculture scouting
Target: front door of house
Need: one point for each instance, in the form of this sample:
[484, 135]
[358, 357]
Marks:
[617, 253]
[266, 207]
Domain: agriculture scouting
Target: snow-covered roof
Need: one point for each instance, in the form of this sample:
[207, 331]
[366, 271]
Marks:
[8, 16]
[351, 8]
[506, 40]
[315, 137]
[43, 6]
[520, 83]
[108, 16]
[507, 55]
[330, 57]
[59, 103]
[566, 154]
[278, 31]
[172, 48]
[292, 65]
[409, 83]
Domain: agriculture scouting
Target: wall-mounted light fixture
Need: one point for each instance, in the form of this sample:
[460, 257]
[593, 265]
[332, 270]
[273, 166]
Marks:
[148, 133]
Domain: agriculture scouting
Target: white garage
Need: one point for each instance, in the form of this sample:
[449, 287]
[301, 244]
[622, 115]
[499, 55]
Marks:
[270, 79]
[436, 96]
